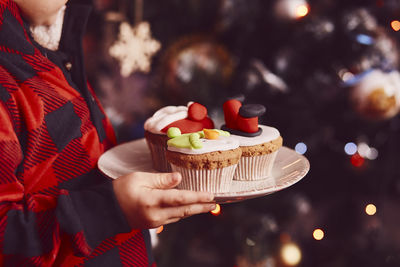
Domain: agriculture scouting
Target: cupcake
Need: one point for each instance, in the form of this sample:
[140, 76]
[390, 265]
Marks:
[259, 143]
[207, 159]
[190, 118]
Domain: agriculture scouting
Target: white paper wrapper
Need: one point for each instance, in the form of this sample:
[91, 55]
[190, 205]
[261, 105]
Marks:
[158, 158]
[215, 181]
[255, 168]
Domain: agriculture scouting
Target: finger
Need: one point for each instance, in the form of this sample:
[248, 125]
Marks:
[175, 197]
[162, 180]
[187, 210]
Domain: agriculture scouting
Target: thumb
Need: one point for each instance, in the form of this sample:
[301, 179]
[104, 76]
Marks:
[165, 180]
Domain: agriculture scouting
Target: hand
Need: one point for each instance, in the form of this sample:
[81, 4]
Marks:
[149, 200]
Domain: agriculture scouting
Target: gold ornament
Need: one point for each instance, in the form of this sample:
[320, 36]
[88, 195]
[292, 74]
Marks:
[377, 95]
[379, 104]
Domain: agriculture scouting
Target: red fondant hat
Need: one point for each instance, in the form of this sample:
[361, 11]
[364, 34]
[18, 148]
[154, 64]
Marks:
[196, 120]
[243, 118]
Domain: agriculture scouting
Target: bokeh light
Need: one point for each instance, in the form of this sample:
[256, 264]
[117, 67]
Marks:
[365, 39]
[217, 210]
[356, 160]
[160, 229]
[301, 148]
[347, 76]
[292, 9]
[318, 234]
[302, 10]
[370, 209]
[363, 149]
[350, 148]
[372, 153]
[395, 24]
[291, 254]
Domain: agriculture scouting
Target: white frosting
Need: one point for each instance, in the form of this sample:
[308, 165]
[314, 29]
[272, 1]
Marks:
[268, 134]
[221, 144]
[164, 117]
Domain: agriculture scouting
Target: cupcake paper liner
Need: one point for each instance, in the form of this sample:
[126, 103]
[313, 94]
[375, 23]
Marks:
[215, 181]
[255, 168]
[255, 185]
[158, 158]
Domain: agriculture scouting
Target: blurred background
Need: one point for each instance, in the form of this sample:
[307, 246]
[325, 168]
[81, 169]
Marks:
[327, 72]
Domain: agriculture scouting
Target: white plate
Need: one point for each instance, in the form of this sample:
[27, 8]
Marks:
[289, 168]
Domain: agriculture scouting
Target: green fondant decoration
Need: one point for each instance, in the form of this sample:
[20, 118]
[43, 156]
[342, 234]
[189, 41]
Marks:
[222, 132]
[181, 141]
[173, 132]
[188, 140]
[194, 140]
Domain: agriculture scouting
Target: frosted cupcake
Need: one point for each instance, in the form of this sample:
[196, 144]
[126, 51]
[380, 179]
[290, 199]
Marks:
[190, 118]
[206, 159]
[259, 143]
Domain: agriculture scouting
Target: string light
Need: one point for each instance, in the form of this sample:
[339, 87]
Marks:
[318, 234]
[217, 210]
[370, 209]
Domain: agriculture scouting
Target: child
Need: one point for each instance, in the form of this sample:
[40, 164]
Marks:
[56, 209]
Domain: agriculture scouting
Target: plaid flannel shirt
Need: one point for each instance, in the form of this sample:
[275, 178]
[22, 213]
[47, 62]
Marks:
[56, 209]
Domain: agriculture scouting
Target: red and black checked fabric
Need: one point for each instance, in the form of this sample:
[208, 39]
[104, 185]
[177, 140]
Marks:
[56, 209]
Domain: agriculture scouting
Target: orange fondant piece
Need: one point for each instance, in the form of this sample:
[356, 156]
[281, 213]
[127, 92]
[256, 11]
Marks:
[248, 125]
[197, 112]
[210, 134]
[231, 112]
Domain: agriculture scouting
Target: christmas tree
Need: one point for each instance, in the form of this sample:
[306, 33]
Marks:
[327, 73]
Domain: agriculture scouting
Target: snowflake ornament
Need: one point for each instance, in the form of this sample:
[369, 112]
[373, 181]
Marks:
[134, 48]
